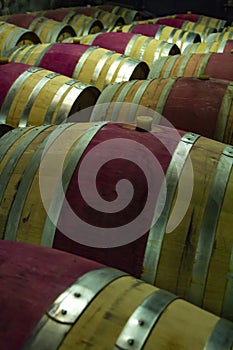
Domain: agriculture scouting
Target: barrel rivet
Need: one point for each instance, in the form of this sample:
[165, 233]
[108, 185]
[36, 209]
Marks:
[63, 312]
[141, 323]
[130, 342]
[77, 295]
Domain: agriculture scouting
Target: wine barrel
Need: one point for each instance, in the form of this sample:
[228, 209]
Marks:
[220, 36]
[51, 31]
[215, 65]
[83, 25]
[136, 46]
[171, 22]
[205, 20]
[203, 106]
[160, 32]
[48, 30]
[36, 96]
[11, 36]
[68, 294]
[110, 19]
[167, 253]
[4, 128]
[129, 15]
[89, 64]
[212, 46]
[201, 29]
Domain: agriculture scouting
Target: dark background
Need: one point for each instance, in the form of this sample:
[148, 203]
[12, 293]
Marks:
[157, 8]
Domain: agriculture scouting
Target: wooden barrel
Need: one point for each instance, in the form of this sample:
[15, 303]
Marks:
[205, 20]
[183, 255]
[68, 294]
[89, 64]
[171, 22]
[215, 65]
[47, 30]
[220, 36]
[212, 46]
[203, 106]
[160, 32]
[11, 36]
[201, 29]
[36, 96]
[129, 15]
[110, 19]
[91, 11]
[51, 31]
[136, 46]
[183, 24]
[4, 128]
[83, 25]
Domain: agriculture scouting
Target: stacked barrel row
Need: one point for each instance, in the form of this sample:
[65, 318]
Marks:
[153, 201]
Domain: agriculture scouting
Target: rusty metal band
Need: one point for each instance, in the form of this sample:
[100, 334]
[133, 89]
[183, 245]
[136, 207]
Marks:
[141, 323]
[158, 230]
[33, 96]
[68, 308]
[131, 44]
[57, 200]
[55, 101]
[224, 115]
[222, 336]
[27, 178]
[100, 65]
[14, 89]
[82, 60]
[209, 227]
